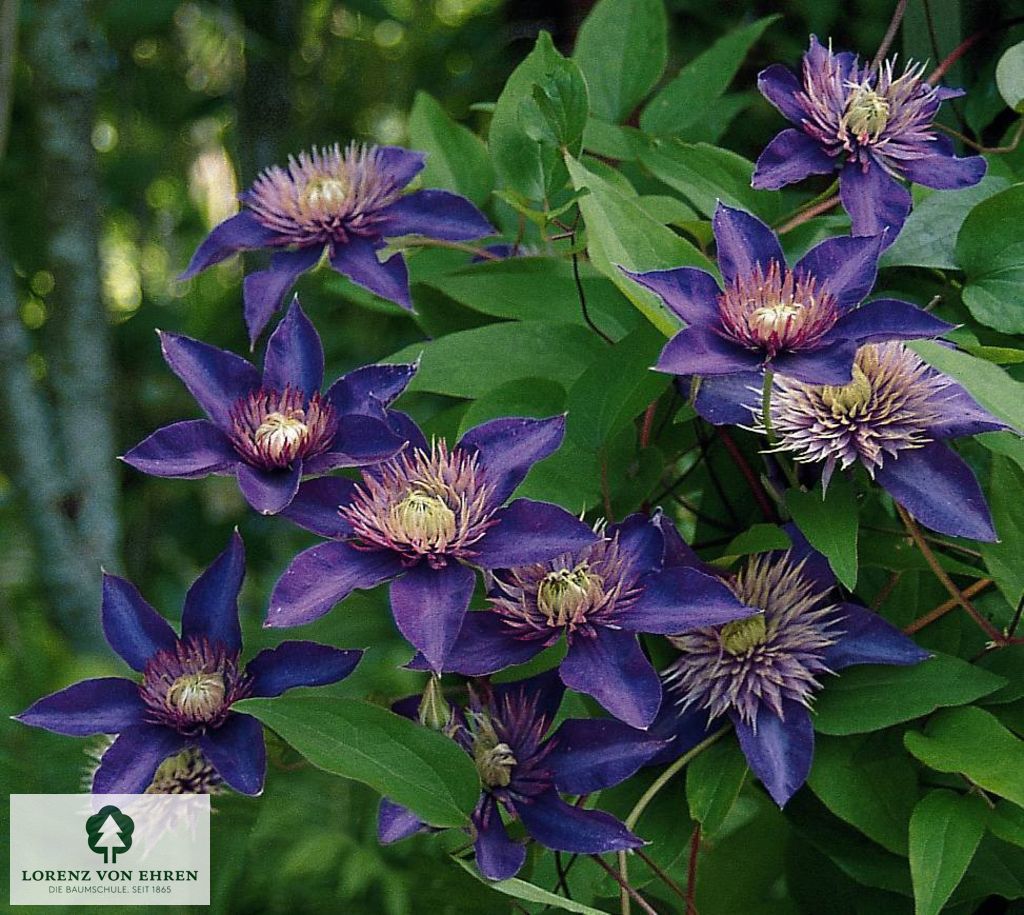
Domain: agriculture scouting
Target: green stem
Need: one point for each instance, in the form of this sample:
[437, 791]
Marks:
[647, 797]
[668, 775]
[766, 406]
[482, 253]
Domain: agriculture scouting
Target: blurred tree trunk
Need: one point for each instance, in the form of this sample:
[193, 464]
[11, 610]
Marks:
[69, 474]
[264, 106]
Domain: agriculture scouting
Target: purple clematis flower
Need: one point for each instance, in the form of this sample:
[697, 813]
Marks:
[269, 430]
[422, 519]
[762, 673]
[875, 127]
[344, 202]
[891, 419]
[189, 684]
[601, 596]
[523, 774]
[804, 323]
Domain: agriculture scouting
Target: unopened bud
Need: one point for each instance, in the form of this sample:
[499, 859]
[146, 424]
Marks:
[434, 711]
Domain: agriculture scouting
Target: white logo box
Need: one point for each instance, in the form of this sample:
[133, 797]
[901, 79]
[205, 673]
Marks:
[110, 849]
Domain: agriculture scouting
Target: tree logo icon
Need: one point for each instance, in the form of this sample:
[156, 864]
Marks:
[110, 833]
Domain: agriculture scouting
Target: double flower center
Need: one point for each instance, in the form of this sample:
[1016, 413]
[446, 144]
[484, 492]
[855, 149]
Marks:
[773, 310]
[866, 115]
[424, 520]
[564, 596]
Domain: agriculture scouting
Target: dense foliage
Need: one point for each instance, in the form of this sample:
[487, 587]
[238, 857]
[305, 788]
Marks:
[660, 548]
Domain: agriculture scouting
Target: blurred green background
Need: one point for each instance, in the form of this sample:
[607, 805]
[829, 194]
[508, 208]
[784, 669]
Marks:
[126, 129]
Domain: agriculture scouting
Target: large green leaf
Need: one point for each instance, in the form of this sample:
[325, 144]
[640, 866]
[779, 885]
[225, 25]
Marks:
[1010, 77]
[621, 233]
[830, 524]
[520, 889]
[472, 362]
[1003, 559]
[974, 743]
[523, 397]
[868, 698]
[523, 164]
[616, 388]
[456, 157]
[539, 289]
[713, 782]
[687, 101]
[990, 249]
[555, 112]
[868, 781]
[622, 48]
[987, 383]
[928, 237]
[705, 174]
[412, 765]
[945, 830]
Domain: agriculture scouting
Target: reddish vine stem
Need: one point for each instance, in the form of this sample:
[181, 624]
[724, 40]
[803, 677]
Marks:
[691, 872]
[940, 573]
[992, 150]
[808, 214]
[890, 34]
[883, 594]
[940, 611]
[633, 894]
[660, 873]
[966, 45]
[648, 424]
[753, 481]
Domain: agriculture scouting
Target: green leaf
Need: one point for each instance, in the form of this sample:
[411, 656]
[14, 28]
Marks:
[759, 538]
[472, 362]
[1008, 444]
[868, 781]
[945, 830]
[997, 870]
[1010, 77]
[530, 168]
[830, 524]
[539, 289]
[556, 110]
[705, 174]
[612, 141]
[569, 477]
[524, 397]
[1003, 559]
[685, 102]
[713, 782]
[621, 233]
[520, 889]
[987, 383]
[872, 697]
[928, 237]
[616, 388]
[456, 157]
[895, 553]
[622, 48]
[412, 765]
[990, 249]
[1007, 823]
[974, 743]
